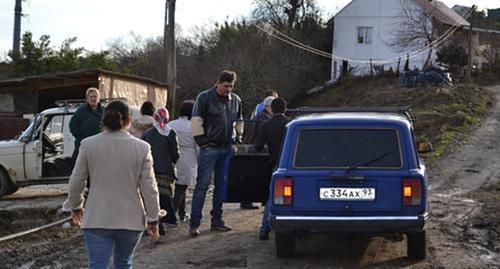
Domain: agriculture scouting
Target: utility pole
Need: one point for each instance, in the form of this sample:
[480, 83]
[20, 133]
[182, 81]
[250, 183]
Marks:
[169, 47]
[18, 9]
[469, 65]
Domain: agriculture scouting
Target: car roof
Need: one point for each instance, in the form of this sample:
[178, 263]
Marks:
[71, 109]
[368, 118]
[59, 110]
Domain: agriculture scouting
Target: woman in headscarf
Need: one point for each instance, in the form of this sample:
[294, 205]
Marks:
[165, 151]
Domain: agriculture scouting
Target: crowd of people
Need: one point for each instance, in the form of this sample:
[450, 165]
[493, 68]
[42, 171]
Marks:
[131, 175]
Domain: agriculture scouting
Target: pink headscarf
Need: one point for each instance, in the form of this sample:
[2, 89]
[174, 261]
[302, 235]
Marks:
[161, 119]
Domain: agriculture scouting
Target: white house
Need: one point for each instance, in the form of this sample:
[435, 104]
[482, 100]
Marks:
[362, 31]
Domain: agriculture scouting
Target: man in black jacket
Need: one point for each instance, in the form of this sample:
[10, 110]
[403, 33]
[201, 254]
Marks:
[253, 130]
[272, 132]
[214, 115]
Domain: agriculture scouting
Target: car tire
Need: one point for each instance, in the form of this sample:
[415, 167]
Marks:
[416, 245]
[5, 184]
[12, 189]
[285, 245]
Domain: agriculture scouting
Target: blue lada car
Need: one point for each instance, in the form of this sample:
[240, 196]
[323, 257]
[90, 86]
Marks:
[350, 172]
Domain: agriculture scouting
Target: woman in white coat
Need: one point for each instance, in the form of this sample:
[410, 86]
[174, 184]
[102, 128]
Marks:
[187, 165]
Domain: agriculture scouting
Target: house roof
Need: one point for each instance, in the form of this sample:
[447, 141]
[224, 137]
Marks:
[435, 8]
[494, 14]
[461, 10]
[76, 74]
[442, 13]
[485, 25]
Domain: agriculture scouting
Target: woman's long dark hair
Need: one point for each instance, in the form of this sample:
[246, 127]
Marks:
[186, 109]
[116, 116]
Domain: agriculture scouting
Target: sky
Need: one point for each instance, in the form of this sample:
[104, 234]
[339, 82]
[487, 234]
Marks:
[96, 23]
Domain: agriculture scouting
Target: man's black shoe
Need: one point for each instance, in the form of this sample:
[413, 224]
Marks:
[194, 231]
[221, 228]
[161, 229]
[264, 235]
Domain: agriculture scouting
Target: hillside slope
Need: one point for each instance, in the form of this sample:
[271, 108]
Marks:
[441, 114]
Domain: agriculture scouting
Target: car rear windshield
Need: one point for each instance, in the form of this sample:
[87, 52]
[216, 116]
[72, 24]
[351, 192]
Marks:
[368, 148]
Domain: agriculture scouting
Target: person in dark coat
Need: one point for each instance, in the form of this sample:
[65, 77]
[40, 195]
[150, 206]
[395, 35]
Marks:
[272, 132]
[165, 151]
[262, 116]
[87, 119]
[254, 131]
[215, 116]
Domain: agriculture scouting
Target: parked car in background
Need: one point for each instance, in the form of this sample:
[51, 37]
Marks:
[42, 153]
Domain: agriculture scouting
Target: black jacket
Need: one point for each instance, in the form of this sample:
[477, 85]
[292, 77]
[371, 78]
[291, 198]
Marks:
[164, 149]
[212, 120]
[271, 132]
[252, 126]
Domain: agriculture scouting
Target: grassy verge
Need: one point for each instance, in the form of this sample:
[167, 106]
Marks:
[442, 115]
[450, 121]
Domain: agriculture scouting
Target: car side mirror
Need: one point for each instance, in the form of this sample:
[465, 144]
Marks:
[23, 139]
[424, 147]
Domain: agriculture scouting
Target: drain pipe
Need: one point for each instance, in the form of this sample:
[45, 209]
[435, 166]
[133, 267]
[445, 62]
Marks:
[16, 235]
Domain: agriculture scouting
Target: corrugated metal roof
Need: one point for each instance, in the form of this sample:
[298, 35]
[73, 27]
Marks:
[75, 74]
[442, 13]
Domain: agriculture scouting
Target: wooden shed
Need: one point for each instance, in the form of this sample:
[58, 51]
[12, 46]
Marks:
[22, 97]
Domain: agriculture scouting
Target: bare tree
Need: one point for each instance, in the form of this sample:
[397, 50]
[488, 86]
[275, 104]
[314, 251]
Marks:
[415, 29]
[284, 13]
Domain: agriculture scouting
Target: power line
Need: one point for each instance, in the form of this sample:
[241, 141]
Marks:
[271, 31]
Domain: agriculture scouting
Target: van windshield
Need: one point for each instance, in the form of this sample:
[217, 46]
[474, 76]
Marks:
[28, 134]
[348, 148]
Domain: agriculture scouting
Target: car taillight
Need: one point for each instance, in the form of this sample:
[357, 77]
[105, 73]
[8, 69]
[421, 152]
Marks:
[283, 191]
[412, 191]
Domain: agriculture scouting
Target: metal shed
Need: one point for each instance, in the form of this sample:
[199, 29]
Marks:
[22, 97]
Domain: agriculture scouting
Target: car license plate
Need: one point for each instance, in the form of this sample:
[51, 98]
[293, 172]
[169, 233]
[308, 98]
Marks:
[347, 194]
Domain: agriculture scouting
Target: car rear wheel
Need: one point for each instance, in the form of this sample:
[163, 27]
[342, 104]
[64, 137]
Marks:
[285, 245]
[5, 184]
[416, 245]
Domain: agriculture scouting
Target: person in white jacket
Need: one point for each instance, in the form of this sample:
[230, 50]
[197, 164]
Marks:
[144, 122]
[187, 165]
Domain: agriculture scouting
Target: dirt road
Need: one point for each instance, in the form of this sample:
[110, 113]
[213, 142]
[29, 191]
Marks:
[463, 231]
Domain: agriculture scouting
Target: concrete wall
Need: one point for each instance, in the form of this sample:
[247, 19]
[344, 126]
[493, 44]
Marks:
[135, 92]
[7, 102]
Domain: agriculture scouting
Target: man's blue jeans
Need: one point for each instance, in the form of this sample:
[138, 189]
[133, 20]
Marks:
[102, 243]
[212, 160]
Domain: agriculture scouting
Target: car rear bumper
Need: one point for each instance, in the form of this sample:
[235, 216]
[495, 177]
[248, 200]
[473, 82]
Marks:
[340, 224]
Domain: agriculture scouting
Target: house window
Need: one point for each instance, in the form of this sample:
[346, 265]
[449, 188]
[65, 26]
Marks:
[365, 35]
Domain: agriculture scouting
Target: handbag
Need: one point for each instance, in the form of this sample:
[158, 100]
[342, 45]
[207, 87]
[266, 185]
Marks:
[166, 184]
